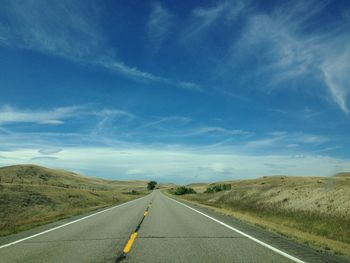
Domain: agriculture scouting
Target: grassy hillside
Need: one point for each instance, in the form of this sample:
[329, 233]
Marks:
[32, 195]
[314, 210]
[343, 174]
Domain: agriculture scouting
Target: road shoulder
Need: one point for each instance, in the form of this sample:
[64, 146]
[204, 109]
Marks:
[274, 239]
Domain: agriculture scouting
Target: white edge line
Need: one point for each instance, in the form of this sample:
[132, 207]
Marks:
[69, 223]
[242, 233]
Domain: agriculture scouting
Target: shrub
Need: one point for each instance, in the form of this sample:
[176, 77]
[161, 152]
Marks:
[218, 188]
[184, 190]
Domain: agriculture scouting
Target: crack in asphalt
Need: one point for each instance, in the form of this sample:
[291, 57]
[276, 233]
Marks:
[74, 240]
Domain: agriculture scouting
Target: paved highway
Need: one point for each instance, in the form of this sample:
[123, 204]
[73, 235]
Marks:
[154, 228]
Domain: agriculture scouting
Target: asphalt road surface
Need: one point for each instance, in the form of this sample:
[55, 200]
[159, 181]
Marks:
[154, 228]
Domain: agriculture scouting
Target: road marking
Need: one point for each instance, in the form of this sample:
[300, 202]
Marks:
[242, 233]
[133, 237]
[69, 223]
[129, 243]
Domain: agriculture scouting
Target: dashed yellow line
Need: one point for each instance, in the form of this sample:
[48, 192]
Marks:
[130, 242]
[133, 236]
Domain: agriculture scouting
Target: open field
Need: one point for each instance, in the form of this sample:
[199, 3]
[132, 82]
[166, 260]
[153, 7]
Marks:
[313, 210]
[32, 195]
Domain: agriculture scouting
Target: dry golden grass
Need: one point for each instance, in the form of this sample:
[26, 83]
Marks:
[198, 187]
[313, 210]
[32, 195]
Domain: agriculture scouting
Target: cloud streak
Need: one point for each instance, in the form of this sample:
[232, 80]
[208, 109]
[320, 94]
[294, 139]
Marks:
[55, 116]
[280, 46]
[284, 139]
[159, 24]
[204, 18]
[69, 29]
[336, 73]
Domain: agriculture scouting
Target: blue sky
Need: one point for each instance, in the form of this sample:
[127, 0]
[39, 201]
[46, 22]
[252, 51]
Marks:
[176, 91]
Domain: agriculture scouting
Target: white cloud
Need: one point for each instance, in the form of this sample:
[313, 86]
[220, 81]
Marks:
[114, 113]
[264, 142]
[220, 130]
[50, 150]
[55, 116]
[336, 71]
[190, 86]
[63, 28]
[129, 71]
[68, 29]
[180, 165]
[159, 24]
[205, 17]
[169, 120]
[310, 139]
[58, 116]
[287, 53]
[290, 140]
[284, 54]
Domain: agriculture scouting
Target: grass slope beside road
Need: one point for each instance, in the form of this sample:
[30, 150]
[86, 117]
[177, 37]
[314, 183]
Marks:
[313, 210]
[32, 195]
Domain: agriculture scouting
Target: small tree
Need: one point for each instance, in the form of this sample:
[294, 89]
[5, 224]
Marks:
[151, 185]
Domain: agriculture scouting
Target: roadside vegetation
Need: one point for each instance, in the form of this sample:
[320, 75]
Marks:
[32, 195]
[151, 185]
[182, 190]
[313, 210]
[217, 188]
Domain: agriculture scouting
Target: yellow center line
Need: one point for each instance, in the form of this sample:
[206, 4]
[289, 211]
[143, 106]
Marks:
[132, 238]
[130, 242]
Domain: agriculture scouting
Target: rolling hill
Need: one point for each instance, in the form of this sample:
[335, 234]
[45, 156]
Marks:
[31, 195]
[314, 210]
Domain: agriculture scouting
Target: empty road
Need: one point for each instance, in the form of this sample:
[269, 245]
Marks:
[154, 228]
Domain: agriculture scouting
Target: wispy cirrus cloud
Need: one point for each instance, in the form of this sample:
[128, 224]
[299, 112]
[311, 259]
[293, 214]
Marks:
[162, 122]
[159, 24]
[111, 126]
[203, 18]
[60, 115]
[55, 116]
[69, 29]
[275, 48]
[112, 113]
[218, 131]
[110, 150]
[135, 73]
[280, 139]
[336, 74]
[49, 150]
[290, 49]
